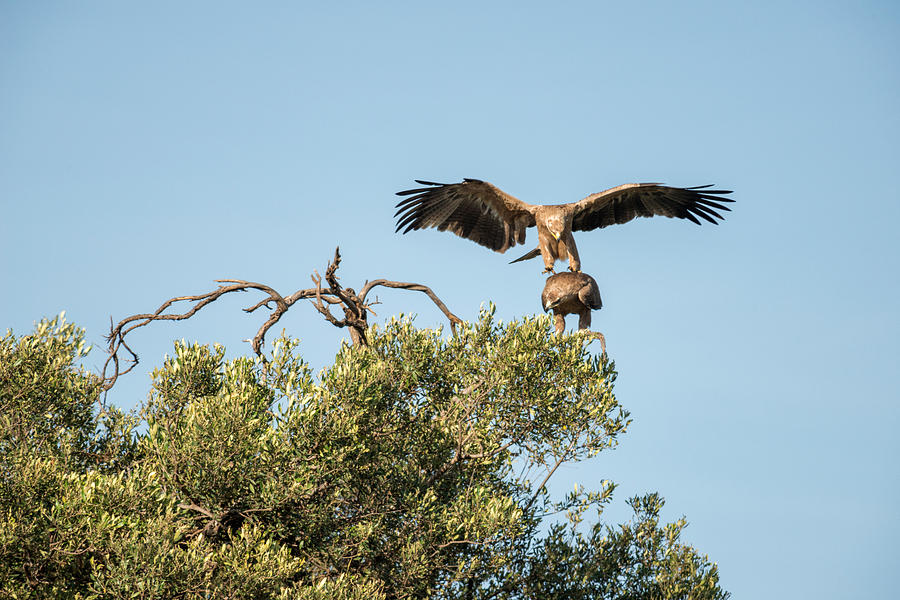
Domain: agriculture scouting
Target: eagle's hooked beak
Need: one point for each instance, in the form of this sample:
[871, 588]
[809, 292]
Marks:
[555, 235]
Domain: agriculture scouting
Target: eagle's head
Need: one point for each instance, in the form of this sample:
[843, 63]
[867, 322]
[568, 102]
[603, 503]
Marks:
[549, 304]
[556, 224]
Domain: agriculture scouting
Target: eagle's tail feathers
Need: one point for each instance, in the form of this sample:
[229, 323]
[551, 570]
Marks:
[528, 256]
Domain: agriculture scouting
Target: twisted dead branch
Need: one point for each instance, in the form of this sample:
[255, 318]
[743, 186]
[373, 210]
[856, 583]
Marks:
[355, 307]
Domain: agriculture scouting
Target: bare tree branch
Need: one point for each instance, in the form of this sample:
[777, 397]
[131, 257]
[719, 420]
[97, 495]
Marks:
[454, 320]
[354, 306]
[595, 335]
[197, 508]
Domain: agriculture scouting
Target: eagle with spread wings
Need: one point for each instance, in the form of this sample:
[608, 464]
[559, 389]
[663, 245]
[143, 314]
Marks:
[485, 214]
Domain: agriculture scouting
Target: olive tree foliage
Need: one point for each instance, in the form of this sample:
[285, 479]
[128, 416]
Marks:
[414, 466]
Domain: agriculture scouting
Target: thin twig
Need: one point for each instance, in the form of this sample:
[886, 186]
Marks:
[560, 460]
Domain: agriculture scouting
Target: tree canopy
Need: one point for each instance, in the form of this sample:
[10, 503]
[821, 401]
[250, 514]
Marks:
[414, 466]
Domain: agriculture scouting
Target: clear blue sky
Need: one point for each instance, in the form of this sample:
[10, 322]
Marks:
[146, 150]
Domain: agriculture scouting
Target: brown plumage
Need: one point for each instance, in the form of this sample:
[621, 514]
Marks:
[572, 293]
[485, 214]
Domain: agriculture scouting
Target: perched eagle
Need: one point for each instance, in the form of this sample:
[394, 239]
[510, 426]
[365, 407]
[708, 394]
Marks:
[487, 215]
[572, 293]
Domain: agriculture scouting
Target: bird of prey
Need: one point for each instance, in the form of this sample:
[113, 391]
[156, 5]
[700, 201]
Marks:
[572, 293]
[485, 214]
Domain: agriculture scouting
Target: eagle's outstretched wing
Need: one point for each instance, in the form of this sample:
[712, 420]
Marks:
[625, 202]
[473, 209]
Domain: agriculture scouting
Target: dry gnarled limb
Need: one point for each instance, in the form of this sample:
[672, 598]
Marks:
[596, 335]
[354, 306]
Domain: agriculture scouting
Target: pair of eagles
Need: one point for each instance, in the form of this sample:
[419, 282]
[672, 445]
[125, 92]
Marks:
[485, 214]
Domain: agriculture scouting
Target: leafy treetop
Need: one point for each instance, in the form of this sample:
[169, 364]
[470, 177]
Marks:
[415, 466]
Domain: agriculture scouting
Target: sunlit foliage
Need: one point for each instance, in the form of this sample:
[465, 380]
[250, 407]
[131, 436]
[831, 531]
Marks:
[412, 467]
